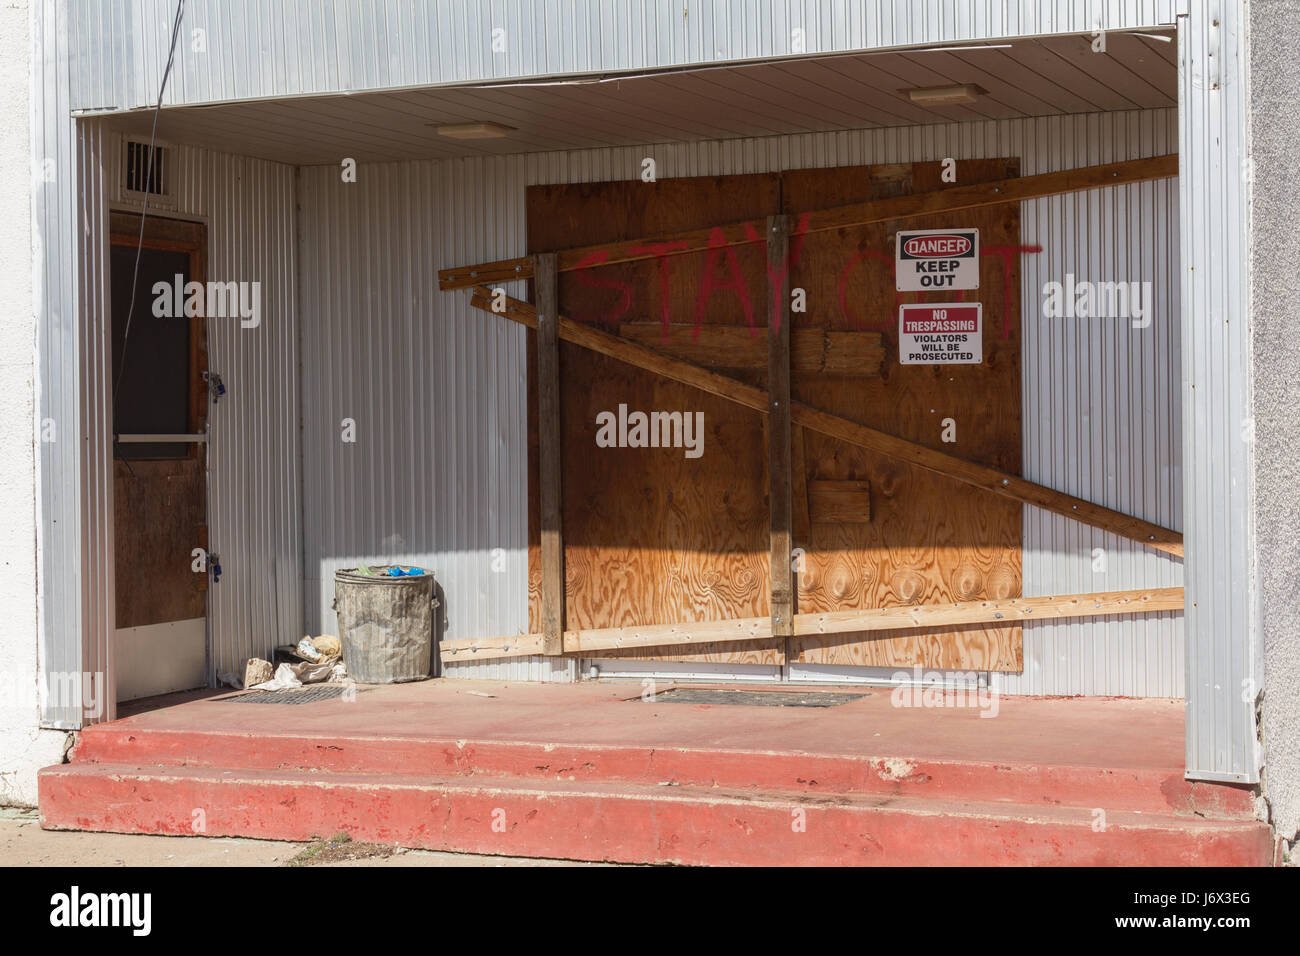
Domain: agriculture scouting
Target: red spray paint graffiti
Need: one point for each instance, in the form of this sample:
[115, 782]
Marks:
[661, 251]
[582, 274]
[720, 248]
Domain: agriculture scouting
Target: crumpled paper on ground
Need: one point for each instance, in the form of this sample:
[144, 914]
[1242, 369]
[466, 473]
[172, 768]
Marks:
[304, 672]
[319, 650]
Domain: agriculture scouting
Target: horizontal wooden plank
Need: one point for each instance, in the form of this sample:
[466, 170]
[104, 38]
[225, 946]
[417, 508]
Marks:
[490, 648]
[976, 475]
[839, 502]
[836, 353]
[953, 199]
[657, 635]
[848, 354]
[937, 617]
[506, 270]
[942, 617]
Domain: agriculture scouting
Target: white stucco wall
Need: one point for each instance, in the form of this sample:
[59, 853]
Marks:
[24, 747]
[1275, 247]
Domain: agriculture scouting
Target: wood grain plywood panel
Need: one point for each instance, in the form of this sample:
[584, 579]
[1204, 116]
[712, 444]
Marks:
[929, 539]
[158, 511]
[716, 346]
[653, 535]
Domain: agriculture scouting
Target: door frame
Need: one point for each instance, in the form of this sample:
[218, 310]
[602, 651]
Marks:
[169, 233]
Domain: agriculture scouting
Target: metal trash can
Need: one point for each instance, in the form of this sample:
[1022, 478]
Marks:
[385, 624]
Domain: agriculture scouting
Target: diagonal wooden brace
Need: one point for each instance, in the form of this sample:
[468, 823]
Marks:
[970, 473]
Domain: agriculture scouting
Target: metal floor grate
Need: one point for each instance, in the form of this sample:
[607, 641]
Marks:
[753, 698]
[290, 695]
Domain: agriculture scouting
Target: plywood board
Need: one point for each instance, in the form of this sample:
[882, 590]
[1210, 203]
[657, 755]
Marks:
[833, 502]
[158, 515]
[653, 536]
[850, 354]
[929, 539]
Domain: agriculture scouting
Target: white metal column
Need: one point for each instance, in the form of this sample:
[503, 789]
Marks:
[1222, 606]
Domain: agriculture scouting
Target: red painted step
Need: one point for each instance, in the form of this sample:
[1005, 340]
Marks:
[583, 771]
[628, 822]
[1149, 790]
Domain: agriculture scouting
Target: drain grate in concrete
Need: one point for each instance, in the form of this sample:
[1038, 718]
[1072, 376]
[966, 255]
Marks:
[289, 695]
[753, 698]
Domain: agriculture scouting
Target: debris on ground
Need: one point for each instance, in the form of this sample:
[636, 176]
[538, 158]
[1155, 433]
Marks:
[305, 672]
[341, 848]
[329, 647]
[257, 671]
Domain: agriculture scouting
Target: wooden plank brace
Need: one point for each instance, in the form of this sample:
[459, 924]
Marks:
[778, 428]
[884, 621]
[967, 472]
[550, 457]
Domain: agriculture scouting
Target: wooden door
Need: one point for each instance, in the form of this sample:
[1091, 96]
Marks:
[160, 487]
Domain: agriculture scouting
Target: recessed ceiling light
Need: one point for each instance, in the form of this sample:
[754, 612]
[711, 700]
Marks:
[474, 130]
[944, 95]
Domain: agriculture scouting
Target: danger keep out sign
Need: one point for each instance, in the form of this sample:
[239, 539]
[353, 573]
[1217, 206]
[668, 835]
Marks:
[941, 333]
[935, 260]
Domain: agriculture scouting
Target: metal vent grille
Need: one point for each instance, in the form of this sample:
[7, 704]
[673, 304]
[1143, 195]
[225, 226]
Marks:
[146, 169]
[289, 695]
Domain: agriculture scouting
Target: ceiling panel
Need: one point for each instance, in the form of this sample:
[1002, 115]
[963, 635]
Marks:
[1032, 77]
[1131, 70]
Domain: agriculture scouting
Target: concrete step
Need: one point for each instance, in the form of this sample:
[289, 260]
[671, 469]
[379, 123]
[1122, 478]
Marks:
[629, 822]
[1033, 786]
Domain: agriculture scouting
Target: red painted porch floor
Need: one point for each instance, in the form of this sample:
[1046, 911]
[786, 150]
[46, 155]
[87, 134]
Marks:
[591, 772]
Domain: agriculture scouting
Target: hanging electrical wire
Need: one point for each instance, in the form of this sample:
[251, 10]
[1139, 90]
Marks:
[151, 171]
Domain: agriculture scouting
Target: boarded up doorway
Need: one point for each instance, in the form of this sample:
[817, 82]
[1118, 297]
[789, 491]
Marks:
[660, 535]
[160, 400]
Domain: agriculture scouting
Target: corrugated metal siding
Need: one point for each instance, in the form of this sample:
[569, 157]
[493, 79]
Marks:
[436, 475]
[297, 47]
[1101, 401]
[254, 461]
[255, 480]
[1223, 671]
[1102, 413]
[55, 213]
[98, 606]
